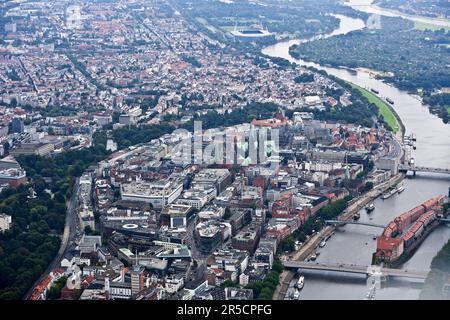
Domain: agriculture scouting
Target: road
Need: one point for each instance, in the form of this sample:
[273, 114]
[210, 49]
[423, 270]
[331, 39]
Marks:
[197, 255]
[396, 150]
[70, 232]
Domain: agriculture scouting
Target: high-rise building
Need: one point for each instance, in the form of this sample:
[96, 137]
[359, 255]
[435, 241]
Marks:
[137, 279]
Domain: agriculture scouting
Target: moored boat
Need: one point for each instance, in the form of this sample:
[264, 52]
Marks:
[389, 194]
[370, 207]
[300, 282]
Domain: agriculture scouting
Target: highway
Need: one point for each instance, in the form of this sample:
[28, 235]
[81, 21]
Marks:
[71, 229]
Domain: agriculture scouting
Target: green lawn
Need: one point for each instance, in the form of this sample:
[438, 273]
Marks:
[383, 108]
[448, 109]
[424, 26]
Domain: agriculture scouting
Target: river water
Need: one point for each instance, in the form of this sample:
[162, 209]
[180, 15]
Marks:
[368, 7]
[354, 244]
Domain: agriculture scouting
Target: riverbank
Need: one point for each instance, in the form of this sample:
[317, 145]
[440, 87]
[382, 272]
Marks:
[428, 26]
[301, 254]
[389, 115]
[370, 196]
[432, 148]
[312, 244]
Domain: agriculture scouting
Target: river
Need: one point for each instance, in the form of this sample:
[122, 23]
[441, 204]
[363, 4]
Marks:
[368, 7]
[355, 244]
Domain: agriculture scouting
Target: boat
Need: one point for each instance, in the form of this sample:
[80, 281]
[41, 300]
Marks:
[296, 295]
[374, 237]
[374, 91]
[389, 194]
[300, 282]
[313, 257]
[390, 100]
[413, 137]
[322, 244]
[411, 161]
[356, 216]
[414, 145]
[400, 189]
[370, 207]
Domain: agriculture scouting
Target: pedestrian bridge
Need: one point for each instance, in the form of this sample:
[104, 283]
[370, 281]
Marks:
[341, 222]
[356, 269]
[414, 169]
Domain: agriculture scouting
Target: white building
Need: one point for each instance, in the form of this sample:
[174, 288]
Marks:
[197, 198]
[243, 279]
[103, 118]
[173, 285]
[5, 222]
[158, 193]
[120, 290]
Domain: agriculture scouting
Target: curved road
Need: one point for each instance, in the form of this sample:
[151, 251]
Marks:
[70, 229]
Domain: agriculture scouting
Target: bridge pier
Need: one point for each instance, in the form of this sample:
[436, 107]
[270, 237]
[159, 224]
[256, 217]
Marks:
[375, 277]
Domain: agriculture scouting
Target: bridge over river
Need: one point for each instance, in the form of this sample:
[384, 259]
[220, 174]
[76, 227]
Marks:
[405, 168]
[418, 276]
[344, 222]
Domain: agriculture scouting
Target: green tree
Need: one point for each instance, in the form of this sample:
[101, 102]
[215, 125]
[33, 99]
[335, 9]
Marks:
[287, 244]
[228, 284]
